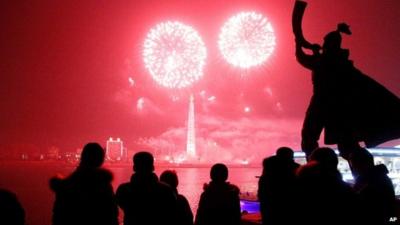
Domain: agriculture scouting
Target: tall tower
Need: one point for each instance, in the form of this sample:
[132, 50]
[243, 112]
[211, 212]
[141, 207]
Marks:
[191, 138]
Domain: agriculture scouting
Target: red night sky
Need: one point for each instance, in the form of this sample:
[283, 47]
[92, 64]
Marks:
[65, 69]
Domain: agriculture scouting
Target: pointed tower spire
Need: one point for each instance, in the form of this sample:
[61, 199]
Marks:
[191, 138]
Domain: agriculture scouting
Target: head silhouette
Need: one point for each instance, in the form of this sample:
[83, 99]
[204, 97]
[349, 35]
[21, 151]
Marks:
[270, 164]
[92, 155]
[362, 156]
[333, 40]
[326, 157]
[219, 173]
[285, 153]
[169, 177]
[143, 162]
[361, 161]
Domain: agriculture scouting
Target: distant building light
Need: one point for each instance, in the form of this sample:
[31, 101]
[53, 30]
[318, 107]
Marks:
[115, 149]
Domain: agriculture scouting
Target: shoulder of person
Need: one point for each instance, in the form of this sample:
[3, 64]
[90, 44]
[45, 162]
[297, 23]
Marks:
[56, 183]
[105, 174]
[165, 187]
[182, 198]
[123, 188]
[235, 189]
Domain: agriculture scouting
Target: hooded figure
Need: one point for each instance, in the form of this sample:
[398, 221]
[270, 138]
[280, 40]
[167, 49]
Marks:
[349, 105]
[86, 196]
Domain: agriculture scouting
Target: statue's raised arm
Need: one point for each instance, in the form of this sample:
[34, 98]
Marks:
[297, 18]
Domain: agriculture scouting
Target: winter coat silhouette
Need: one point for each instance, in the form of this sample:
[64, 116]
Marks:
[219, 203]
[86, 196]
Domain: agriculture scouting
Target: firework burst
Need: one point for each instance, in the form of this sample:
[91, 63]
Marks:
[174, 54]
[246, 40]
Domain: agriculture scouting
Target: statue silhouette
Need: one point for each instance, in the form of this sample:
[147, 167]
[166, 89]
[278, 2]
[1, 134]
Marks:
[347, 104]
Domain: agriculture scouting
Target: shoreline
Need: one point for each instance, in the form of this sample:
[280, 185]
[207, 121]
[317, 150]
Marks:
[125, 164]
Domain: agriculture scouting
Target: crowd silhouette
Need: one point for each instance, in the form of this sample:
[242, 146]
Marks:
[374, 188]
[322, 192]
[289, 193]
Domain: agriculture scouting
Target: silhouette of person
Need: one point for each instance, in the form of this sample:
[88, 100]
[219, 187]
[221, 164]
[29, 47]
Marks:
[185, 215]
[286, 155]
[86, 196]
[146, 200]
[374, 187]
[348, 105]
[323, 196]
[219, 203]
[276, 187]
[11, 210]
